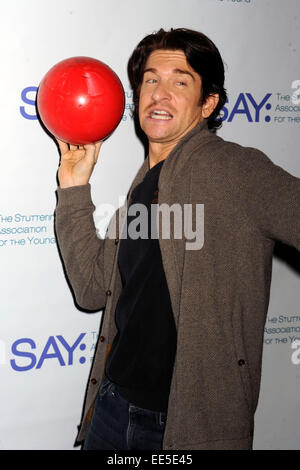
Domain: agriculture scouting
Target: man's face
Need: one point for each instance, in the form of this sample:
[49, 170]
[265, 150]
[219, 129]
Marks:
[169, 97]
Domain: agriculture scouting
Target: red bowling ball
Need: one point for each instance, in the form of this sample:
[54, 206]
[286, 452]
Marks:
[80, 100]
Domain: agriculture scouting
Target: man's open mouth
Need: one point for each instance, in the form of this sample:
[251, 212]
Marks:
[160, 114]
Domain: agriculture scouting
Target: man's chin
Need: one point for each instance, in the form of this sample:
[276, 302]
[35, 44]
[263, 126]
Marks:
[158, 135]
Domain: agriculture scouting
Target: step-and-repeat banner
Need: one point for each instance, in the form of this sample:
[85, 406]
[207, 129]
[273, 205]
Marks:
[46, 342]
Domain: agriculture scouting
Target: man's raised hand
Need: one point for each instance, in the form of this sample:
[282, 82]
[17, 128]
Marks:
[77, 163]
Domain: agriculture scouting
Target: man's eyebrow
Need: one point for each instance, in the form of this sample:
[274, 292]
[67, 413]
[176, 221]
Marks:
[184, 72]
[150, 70]
[178, 71]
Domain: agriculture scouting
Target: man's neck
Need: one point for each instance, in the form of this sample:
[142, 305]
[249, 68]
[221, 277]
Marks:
[159, 152]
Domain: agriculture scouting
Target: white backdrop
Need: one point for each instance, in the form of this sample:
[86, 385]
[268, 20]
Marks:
[46, 343]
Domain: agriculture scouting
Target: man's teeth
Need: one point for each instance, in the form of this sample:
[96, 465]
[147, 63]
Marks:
[157, 114]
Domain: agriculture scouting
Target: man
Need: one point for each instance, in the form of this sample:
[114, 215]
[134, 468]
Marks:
[181, 341]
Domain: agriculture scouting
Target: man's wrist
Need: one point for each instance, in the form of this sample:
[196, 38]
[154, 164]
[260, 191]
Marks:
[74, 195]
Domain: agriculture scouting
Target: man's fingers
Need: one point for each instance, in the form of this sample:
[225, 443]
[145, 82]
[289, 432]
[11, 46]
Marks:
[63, 147]
[92, 152]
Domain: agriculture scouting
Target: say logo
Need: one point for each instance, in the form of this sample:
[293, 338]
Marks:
[27, 354]
[248, 106]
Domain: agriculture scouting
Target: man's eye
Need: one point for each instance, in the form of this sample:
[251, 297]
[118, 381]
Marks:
[151, 80]
[181, 83]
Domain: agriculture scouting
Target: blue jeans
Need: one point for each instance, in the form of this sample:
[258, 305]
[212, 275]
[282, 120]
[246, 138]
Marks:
[119, 425]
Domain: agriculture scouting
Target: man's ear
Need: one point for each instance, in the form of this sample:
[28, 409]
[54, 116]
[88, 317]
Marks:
[210, 104]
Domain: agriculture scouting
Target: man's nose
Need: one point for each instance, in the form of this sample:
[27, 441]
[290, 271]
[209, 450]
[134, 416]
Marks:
[161, 92]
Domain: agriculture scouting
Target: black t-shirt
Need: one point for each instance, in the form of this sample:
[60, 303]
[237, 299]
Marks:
[142, 356]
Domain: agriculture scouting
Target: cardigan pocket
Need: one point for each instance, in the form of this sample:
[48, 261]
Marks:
[245, 380]
[246, 384]
[241, 361]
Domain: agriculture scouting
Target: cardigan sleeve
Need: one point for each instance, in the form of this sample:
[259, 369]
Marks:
[80, 247]
[271, 197]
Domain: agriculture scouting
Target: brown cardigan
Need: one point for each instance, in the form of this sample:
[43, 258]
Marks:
[219, 293]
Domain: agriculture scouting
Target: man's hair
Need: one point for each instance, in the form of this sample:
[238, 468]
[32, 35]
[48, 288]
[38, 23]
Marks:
[201, 54]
